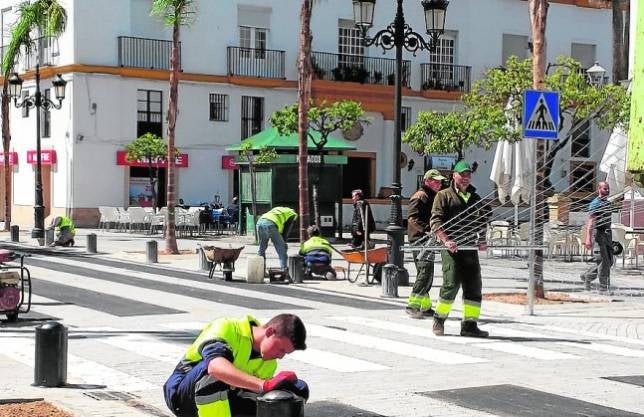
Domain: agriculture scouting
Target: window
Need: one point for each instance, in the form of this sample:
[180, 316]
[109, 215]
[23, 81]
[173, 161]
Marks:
[441, 63]
[350, 48]
[45, 117]
[253, 38]
[5, 26]
[405, 118]
[582, 176]
[149, 113]
[25, 109]
[219, 107]
[583, 53]
[252, 118]
[580, 143]
[514, 45]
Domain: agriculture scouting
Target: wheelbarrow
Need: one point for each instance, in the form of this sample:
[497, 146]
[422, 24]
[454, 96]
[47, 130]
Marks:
[224, 257]
[371, 257]
[15, 285]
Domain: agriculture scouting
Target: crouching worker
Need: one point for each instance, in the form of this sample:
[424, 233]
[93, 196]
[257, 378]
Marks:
[317, 254]
[230, 363]
[65, 231]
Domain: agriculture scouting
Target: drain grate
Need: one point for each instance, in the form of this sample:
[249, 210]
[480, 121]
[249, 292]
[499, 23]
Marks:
[110, 395]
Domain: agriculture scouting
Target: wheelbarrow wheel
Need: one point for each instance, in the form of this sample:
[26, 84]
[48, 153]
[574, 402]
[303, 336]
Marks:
[12, 317]
[228, 275]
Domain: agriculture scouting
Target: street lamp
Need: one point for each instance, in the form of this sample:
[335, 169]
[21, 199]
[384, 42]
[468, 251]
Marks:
[596, 75]
[399, 35]
[37, 101]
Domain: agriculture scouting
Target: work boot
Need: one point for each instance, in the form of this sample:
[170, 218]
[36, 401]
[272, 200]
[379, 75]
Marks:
[439, 326]
[471, 329]
[416, 313]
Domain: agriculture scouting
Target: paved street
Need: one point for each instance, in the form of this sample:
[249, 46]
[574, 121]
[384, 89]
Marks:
[129, 323]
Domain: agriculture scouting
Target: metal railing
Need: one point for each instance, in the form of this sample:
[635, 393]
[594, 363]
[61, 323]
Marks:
[445, 77]
[252, 62]
[145, 53]
[356, 68]
[44, 51]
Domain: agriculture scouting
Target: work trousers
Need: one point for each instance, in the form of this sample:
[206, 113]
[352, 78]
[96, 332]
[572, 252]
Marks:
[603, 257]
[197, 394]
[419, 297]
[64, 237]
[266, 230]
[461, 269]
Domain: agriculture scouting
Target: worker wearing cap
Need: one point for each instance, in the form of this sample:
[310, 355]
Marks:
[459, 218]
[419, 212]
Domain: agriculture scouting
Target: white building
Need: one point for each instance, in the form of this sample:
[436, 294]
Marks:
[115, 59]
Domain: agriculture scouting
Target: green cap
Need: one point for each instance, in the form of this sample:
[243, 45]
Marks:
[434, 174]
[462, 166]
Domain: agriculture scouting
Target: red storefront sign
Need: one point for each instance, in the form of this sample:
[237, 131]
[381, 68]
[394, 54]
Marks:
[180, 162]
[47, 157]
[13, 158]
[228, 162]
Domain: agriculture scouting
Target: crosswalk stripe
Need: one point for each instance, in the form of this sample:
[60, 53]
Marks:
[79, 369]
[594, 335]
[597, 347]
[142, 345]
[490, 344]
[319, 358]
[392, 346]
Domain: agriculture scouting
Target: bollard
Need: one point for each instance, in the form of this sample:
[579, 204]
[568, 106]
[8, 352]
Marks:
[91, 243]
[151, 251]
[280, 404]
[49, 236]
[390, 281]
[296, 268]
[204, 263]
[15, 233]
[50, 369]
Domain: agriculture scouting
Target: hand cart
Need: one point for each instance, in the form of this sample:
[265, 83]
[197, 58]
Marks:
[15, 285]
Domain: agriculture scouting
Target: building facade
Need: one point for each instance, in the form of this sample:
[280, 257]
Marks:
[238, 61]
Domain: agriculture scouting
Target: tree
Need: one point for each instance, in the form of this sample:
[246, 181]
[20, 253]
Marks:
[620, 26]
[47, 18]
[264, 156]
[152, 150]
[324, 119]
[174, 13]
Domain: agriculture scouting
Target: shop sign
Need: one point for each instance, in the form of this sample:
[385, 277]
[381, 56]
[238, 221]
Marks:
[13, 158]
[228, 162]
[47, 157]
[443, 162]
[180, 162]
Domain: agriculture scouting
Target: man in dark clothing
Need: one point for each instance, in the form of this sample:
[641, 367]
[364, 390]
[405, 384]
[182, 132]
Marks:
[598, 230]
[459, 218]
[362, 217]
[419, 212]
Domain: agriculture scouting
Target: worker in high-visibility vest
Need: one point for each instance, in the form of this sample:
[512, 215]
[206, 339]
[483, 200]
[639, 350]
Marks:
[275, 225]
[65, 231]
[231, 362]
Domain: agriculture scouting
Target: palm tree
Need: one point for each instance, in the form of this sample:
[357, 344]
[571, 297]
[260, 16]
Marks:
[175, 13]
[48, 19]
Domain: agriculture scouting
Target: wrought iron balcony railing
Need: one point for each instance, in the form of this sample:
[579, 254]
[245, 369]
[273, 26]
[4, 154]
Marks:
[145, 53]
[44, 52]
[445, 77]
[357, 68]
[253, 62]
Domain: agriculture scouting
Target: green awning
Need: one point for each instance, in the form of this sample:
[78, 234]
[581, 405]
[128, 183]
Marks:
[272, 139]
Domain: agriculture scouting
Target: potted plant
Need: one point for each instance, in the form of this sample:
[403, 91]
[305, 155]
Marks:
[338, 73]
[360, 74]
[318, 71]
[377, 77]
[391, 79]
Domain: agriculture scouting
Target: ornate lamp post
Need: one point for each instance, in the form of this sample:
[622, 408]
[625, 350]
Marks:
[399, 35]
[37, 101]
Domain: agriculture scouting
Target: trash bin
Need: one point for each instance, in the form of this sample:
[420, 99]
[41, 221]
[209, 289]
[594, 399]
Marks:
[280, 403]
[296, 268]
[50, 369]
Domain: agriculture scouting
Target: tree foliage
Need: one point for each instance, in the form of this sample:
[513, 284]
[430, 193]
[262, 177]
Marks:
[324, 118]
[174, 12]
[148, 148]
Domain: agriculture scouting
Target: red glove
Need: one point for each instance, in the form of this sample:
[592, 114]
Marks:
[278, 380]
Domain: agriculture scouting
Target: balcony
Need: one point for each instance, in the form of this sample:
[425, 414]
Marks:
[259, 63]
[145, 53]
[44, 53]
[356, 68]
[445, 77]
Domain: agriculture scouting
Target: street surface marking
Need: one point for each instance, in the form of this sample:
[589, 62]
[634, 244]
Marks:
[392, 346]
[505, 347]
[140, 344]
[595, 335]
[319, 358]
[79, 369]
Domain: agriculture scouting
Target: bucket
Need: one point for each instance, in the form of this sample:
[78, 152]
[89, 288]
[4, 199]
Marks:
[255, 270]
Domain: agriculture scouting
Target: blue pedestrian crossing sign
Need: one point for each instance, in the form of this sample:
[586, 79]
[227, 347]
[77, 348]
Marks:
[540, 114]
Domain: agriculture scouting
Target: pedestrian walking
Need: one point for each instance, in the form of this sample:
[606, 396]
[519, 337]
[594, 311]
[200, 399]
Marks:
[230, 363]
[362, 222]
[419, 304]
[599, 238]
[275, 225]
[459, 218]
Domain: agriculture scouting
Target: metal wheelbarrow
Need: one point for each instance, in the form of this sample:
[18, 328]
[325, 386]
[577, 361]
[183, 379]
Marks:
[224, 257]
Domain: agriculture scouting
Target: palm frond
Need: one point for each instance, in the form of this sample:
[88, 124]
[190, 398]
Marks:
[174, 12]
